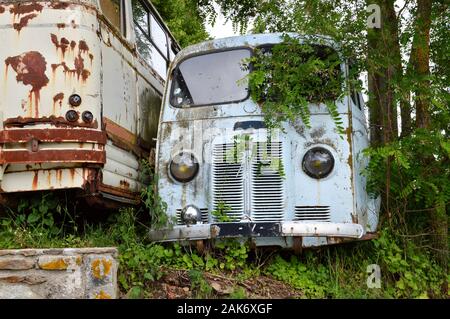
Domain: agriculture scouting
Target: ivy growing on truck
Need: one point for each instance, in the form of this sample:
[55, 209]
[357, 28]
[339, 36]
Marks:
[287, 77]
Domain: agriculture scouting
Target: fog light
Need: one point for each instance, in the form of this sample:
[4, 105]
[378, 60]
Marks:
[75, 100]
[72, 116]
[87, 117]
[190, 215]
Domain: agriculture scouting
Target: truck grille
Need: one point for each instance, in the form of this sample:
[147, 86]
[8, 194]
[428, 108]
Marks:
[312, 213]
[258, 173]
[267, 182]
[228, 185]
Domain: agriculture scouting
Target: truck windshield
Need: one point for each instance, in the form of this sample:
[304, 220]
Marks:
[213, 78]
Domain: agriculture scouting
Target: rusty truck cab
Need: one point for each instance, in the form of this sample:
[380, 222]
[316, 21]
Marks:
[80, 90]
[223, 173]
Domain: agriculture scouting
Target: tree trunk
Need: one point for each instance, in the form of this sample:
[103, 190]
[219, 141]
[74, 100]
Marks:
[384, 65]
[421, 48]
[421, 59]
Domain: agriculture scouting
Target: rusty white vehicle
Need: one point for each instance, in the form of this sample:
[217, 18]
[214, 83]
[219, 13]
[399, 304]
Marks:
[81, 83]
[215, 158]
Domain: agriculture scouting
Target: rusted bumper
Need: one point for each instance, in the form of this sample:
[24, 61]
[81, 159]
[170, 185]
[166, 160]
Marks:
[266, 229]
[31, 151]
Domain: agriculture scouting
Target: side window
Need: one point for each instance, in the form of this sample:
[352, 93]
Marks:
[112, 11]
[151, 40]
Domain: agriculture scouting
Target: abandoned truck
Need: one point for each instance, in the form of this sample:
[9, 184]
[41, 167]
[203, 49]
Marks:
[80, 94]
[218, 187]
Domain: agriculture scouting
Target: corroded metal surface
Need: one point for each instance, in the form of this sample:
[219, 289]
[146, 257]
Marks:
[57, 49]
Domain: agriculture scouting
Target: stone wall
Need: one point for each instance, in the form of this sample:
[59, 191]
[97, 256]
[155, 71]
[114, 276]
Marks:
[59, 273]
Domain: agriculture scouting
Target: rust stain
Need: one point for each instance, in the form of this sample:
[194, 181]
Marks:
[52, 156]
[101, 268]
[91, 57]
[119, 192]
[59, 5]
[30, 68]
[124, 184]
[83, 46]
[2, 9]
[34, 185]
[57, 264]
[72, 174]
[24, 21]
[49, 178]
[59, 175]
[62, 44]
[73, 24]
[56, 121]
[19, 8]
[53, 135]
[102, 295]
[58, 97]
[60, 25]
[79, 69]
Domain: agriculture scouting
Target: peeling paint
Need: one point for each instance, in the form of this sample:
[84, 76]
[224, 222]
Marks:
[30, 68]
[24, 21]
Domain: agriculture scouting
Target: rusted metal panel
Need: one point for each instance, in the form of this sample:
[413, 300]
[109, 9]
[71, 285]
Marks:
[52, 156]
[52, 135]
[45, 179]
[60, 48]
[120, 192]
[120, 136]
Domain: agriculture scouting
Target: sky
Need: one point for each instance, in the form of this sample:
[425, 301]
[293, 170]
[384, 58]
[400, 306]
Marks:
[220, 28]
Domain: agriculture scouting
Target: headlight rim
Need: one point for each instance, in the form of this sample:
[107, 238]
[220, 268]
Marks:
[184, 181]
[321, 148]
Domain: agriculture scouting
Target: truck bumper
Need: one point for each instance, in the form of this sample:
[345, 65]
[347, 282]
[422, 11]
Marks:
[264, 229]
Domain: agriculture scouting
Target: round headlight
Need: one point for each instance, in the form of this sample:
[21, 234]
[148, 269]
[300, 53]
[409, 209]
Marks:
[318, 162]
[183, 167]
[190, 215]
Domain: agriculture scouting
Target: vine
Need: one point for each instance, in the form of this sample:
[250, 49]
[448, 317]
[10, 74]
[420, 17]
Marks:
[288, 76]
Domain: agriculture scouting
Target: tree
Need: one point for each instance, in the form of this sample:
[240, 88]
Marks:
[184, 18]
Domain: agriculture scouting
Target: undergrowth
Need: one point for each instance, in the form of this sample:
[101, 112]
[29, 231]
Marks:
[407, 270]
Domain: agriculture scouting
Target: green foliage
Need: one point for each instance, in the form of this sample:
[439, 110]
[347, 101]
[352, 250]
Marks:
[184, 19]
[152, 201]
[412, 273]
[340, 272]
[293, 74]
[45, 220]
[232, 254]
[199, 286]
[220, 213]
[313, 282]
[238, 293]
[420, 164]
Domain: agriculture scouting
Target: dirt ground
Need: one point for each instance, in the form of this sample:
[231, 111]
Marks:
[176, 284]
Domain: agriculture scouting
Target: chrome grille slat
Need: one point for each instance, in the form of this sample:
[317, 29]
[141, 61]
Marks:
[228, 186]
[267, 185]
[312, 213]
